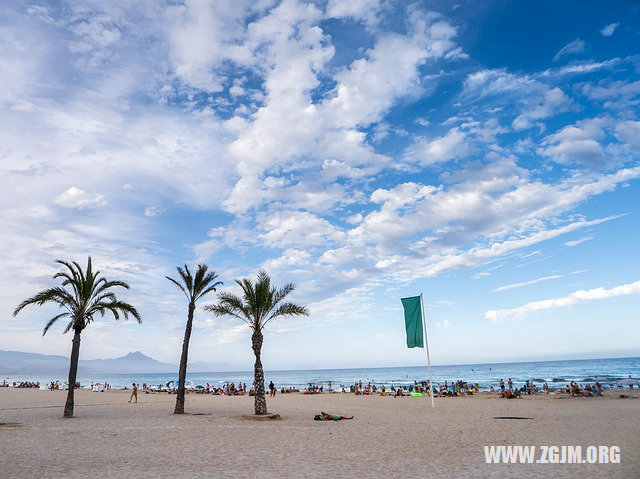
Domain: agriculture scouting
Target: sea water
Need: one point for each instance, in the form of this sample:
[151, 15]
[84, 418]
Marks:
[555, 373]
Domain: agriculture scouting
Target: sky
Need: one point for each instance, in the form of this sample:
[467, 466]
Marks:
[485, 154]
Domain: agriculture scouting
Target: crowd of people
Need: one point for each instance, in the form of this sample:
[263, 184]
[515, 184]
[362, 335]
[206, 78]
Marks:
[313, 389]
[507, 389]
[456, 388]
[588, 390]
[21, 384]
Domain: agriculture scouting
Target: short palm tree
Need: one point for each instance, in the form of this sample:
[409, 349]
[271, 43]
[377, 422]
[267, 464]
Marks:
[194, 288]
[259, 304]
[83, 294]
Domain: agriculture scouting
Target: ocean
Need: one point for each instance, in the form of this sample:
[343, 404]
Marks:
[555, 373]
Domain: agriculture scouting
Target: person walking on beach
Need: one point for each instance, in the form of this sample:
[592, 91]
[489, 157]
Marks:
[134, 392]
[272, 389]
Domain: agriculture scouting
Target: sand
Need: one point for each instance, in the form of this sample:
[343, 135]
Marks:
[393, 437]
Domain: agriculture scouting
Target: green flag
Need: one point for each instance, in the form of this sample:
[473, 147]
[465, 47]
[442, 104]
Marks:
[413, 321]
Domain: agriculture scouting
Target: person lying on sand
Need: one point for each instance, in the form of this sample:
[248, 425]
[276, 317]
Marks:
[323, 416]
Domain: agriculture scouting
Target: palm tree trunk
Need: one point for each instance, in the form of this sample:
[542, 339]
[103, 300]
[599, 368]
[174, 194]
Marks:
[182, 374]
[73, 370]
[258, 374]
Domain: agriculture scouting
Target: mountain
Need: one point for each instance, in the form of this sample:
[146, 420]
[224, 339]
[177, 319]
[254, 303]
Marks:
[16, 362]
[131, 363]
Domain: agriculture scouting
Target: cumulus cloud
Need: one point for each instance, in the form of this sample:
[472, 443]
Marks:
[554, 101]
[297, 228]
[579, 143]
[629, 132]
[361, 10]
[498, 315]
[530, 97]
[451, 146]
[576, 46]
[77, 198]
[291, 131]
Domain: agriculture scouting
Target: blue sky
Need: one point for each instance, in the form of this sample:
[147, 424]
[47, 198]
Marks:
[483, 153]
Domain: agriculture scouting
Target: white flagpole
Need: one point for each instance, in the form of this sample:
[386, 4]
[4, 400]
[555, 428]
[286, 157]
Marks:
[426, 346]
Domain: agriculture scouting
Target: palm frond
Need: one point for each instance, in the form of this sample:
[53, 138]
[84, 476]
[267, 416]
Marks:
[287, 309]
[200, 274]
[280, 294]
[187, 278]
[52, 295]
[69, 326]
[115, 308]
[52, 321]
[230, 305]
[209, 289]
[179, 286]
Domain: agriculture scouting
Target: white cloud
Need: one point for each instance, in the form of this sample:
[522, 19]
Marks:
[578, 241]
[202, 35]
[554, 101]
[499, 315]
[584, 67]
[579, 143]
[480, 254]
[152, 211]
[292, 132]
[443, 324]
[576, 46]
[527, 283]
[79, 199]
[451, 146]
[355, 219]
[285, 229]
[356, 9]
[629, 132]
[528, 97]
[608, 30]
[607, 91]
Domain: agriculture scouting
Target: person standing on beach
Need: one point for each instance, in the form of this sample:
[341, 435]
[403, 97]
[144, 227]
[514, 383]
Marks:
[502, 384]
[510, 383]
[134, 392]
[272, 389]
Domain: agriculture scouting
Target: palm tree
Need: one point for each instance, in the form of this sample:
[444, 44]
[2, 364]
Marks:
[83, 294]
[194, 288]
[259, 304]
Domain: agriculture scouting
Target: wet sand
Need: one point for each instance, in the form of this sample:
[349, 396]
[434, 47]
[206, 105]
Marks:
[392, 437]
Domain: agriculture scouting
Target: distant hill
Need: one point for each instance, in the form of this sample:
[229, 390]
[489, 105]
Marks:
[16, 362]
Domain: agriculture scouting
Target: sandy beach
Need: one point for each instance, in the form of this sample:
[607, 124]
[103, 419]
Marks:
[394, 437]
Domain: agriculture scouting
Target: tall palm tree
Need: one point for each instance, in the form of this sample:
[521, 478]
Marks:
[259, 304]
[83, 294]
[194, 288]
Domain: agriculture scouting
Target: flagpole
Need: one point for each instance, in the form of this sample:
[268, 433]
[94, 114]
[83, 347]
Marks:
[426, 346]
